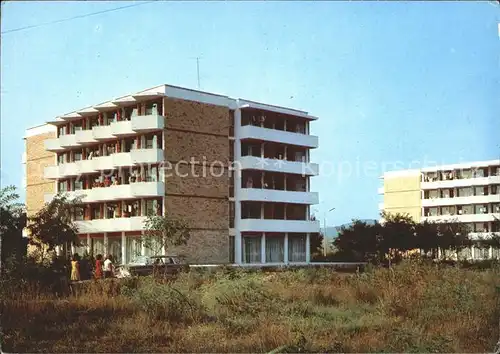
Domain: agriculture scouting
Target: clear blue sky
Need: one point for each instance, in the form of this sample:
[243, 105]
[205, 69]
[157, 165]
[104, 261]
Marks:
[390, 81]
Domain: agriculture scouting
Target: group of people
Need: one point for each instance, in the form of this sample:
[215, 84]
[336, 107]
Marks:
[82, 269]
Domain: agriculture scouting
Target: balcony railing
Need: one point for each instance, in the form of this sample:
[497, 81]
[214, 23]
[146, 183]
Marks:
[278, 136]
[279, 196]
[275, 165]
[270, 225]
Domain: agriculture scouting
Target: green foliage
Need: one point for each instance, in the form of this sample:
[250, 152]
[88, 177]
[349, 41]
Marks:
[163, 232]
[52, 225]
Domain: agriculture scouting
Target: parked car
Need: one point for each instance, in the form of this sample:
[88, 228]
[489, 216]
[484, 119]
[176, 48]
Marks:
[143, 265]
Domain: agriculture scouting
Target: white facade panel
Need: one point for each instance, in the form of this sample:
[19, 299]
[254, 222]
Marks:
[111, 225]
[85, 137]
[275, 165]
[467, 218]
[278, 196]
[271, 225]
[53, 145]
[278, 136]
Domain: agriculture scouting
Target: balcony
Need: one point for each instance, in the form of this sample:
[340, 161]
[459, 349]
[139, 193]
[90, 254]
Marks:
[465, 182]
[135, 223]
[102, 132]
[137, 124]
[271, 225]
[68, 141]
[86, 166]
[53, 145]
[275, 165]
[85, 137]
[137, 156]
[279, 196]
[119, 192]
[148, 123]
[478, 199]
[464, 217]
[278, 136]
[60, 171]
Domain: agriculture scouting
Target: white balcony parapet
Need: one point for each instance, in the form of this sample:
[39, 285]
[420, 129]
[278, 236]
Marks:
[53, 145]
[477, 235]
[102, 162]
[85, 137]
[279, 196]
[102, 132]
[275, 165]
[148, 122]
[463, 218]
[278, 136]
[122, 128]
[477, 199]
[137, 156]
[86, 166]
[60, 171]
[134, 223]
[116, 192]
[465, 182]
[269, 225]
[68, 140]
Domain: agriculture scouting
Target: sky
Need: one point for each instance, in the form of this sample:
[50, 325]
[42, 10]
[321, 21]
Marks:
[395, 84]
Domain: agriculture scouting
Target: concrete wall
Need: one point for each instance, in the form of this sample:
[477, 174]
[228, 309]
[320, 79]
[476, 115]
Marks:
[200, 131]
[402, 195]
[37, 158]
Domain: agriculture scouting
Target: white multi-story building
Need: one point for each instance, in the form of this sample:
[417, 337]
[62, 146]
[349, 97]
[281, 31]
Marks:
[237, 171]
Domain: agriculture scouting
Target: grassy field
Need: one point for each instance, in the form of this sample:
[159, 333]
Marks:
[409, 308]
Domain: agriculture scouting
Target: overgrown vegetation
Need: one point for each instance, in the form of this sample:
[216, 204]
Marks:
[412, 307]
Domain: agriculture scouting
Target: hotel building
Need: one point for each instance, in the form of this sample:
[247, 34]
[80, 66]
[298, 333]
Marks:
[467, 192]
[237, 171]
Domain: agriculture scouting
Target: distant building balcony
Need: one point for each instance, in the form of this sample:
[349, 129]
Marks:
[279, 196]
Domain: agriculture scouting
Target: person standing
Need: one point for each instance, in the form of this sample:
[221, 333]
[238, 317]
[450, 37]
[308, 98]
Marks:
[75, 268]
[98, 267]
[108, 267]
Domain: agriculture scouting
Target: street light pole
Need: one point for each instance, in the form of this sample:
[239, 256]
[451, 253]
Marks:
[324, 231]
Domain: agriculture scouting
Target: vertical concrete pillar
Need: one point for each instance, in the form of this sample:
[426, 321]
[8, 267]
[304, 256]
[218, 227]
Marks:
[263, 248]
[308, 248]
[286, 248]
[124, 248]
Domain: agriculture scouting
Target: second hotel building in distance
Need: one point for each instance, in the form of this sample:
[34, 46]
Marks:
[114, 155]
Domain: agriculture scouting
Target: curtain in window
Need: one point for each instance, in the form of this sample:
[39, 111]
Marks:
[134, 248]
[296, 248]
[251, 249]
[275, 249]
[115, 249]
[98, 246]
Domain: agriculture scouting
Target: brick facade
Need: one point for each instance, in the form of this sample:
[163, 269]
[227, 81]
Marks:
[37, 158]
[200, 131]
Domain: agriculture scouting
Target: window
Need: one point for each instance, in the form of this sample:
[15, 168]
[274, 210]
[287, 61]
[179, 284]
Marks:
[465, 209]
[152, 108]
[431, 211]
[481, 253]
[495, 208]
[78, 213]
[76, 127]
[153, 207]
[465, 192]
[95, 211]
[481, 227]
[231, 249]
[495, 253]
[134, 248]
[98, 246]
[275, 246]
[133, 208]
[231, 214]
[109, 117]
[78, 185]
[433, 194]
[480, 190]
[495, 189]
[151, 174]
[480, 209]
[77, 156]
[465, 173]
[62, 186]
[61, 130]
[448, 210]
[61, 158]
[151, 142]
[251, 249]
[296, 247]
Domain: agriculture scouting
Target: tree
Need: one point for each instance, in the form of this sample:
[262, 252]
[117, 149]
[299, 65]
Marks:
[163, 232]
[397, 235]
[12, 222]
[359, 242]
[316, 241]
[53, 225]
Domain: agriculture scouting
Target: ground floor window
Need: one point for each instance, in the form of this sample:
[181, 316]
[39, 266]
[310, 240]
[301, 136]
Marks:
[275, 248]
[115, 249]
[98, 246]
[251, 249]
[134, 248]
[495, 253]
[296, 247]
[481, 253]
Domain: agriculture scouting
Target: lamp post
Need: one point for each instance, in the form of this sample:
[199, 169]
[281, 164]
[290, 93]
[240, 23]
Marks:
[324, 231]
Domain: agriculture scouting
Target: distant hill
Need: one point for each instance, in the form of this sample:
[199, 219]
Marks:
[333, 231]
